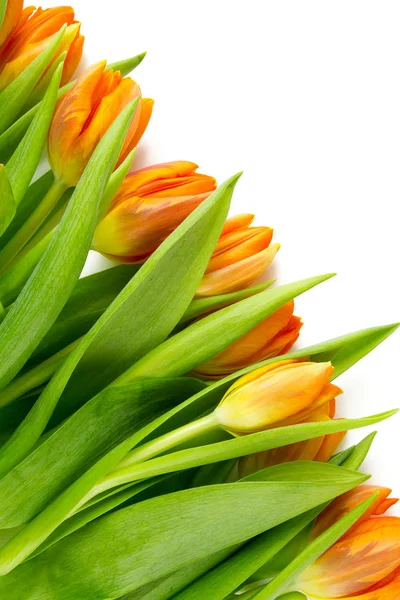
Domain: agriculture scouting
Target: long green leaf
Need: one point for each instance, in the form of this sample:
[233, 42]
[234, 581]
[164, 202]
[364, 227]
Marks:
[13, 135]
[53, 280]
[235, 448]
[13, 97]
[205, 338]
[34, 194]
[8, 205]
[120, 552]
[147, 309]
[90, 433]
[22, 165]
[286, 578]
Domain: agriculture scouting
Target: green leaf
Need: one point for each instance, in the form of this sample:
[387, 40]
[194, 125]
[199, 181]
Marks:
[34, 194]
[13, 135]
[282, 582]
[138, 320]
[3, 8]
[205, 338]
[53, 280]
[13, 97]
[120, 552]
[234, 448]
[202, 306]
[22, 165]
[99, 426]
[8, 205]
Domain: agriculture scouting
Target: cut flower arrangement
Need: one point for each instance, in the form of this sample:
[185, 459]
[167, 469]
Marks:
[160, 438]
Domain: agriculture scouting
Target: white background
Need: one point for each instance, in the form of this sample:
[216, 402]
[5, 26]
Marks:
[305, 98]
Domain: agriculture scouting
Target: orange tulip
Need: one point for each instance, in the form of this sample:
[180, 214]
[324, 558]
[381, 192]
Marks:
[31, 35]
[241, 256]
[84, 114]
[11, 18]
[278, 394]
[274, 336]
[345, 503]
[150, 204]
[318, 449]
[363, 564]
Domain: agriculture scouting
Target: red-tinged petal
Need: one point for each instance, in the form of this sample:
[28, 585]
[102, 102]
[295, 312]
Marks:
[357, 562]
[237, 276]
[237, 222]
[138, 127]
[345, 503]
[238, 245]
[10, 21]
[135, 228]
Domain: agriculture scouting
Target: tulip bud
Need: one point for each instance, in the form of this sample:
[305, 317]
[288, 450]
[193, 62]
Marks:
[362, 564]
[339, 507]
[10, 20]
[84, 114]
[281, 393]
[150, 204]
[240, 257]
[272, 337]
[32, 34]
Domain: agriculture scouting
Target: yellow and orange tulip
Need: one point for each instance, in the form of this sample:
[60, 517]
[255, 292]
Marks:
[278, 394]
[274, 336]
[363, 564]
[84, 114]
[240, 257]
[10, 21]
[31, 35]
[345, 503]
[150, 205]
[318, 449]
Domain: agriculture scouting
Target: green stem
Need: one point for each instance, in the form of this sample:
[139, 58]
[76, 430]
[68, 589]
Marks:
[12, 282]
[32, 224]
[154, 448]
[36, 376]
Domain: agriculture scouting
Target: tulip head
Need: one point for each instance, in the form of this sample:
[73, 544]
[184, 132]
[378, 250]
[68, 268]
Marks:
[84, 114]
[272, 337]
[150, 204]
[339, 507]
[10, 21]
[32, 34]
[278, 394]
[240, 257]
[362, 564]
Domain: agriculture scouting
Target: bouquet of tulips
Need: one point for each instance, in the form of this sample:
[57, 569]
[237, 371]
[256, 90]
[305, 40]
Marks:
[159, 437]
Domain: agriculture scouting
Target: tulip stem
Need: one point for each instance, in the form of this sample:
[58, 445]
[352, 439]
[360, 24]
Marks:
[36, 376]
[31, 225]
[153, 448]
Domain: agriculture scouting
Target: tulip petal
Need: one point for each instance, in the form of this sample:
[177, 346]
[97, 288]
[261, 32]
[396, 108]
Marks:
[237, 222]
[237, 276]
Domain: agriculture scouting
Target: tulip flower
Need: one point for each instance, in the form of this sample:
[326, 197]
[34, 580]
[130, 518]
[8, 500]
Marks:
[272, 337]
[32, 33]
[150, 204]
[363, 564]
[318, 449]
[278, 394]
[240, 257]
[10, 21]
[345, 503]
[85, 113]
